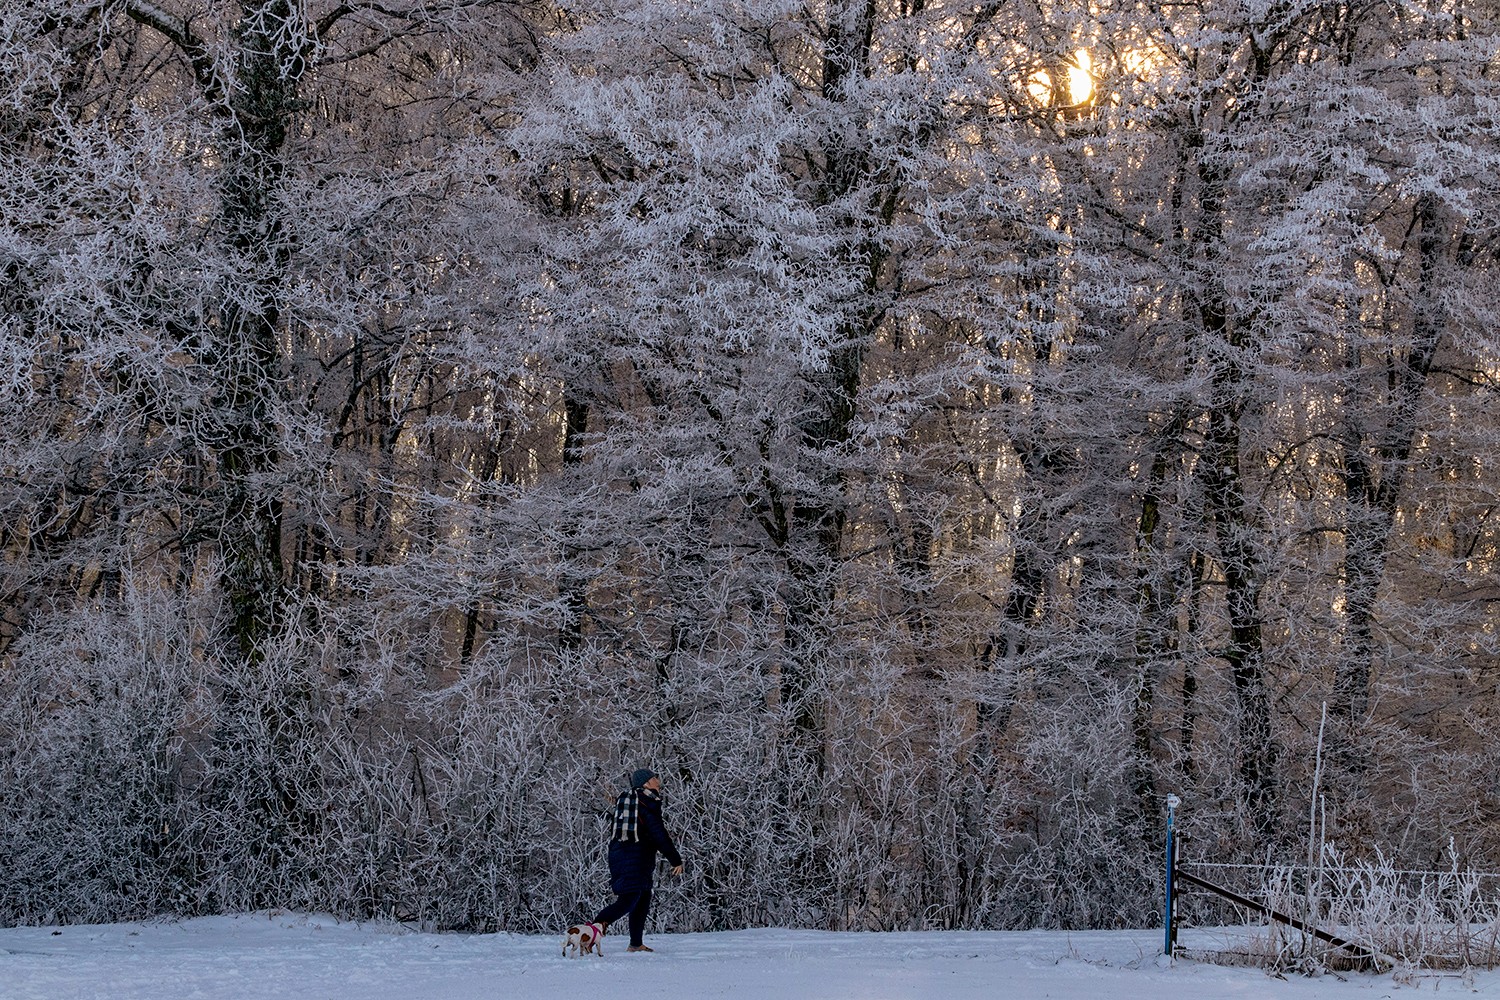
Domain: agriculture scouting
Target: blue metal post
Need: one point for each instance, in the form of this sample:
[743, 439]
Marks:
[1172, 803]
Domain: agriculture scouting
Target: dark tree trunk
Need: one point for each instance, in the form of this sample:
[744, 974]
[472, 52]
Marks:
[1374, 475]
[1234, 521]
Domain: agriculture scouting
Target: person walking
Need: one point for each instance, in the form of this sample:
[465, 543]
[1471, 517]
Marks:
[639, 834]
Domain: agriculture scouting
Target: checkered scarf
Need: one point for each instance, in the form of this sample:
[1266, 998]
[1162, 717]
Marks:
[627, 813]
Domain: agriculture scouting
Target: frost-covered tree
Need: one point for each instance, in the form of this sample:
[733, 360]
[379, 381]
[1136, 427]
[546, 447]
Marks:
[927, 432]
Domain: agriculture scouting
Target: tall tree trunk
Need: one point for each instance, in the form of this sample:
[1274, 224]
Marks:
[572, 582]
[255, 101]
[819, 515]
[1156, 643]
[1236, 526]
[263, 776]
[1374, 475]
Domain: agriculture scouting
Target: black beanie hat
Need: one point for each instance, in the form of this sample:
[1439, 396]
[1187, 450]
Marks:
[640, 777]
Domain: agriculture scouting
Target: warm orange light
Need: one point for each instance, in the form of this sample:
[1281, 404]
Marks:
[1141, 63]
[1080, 81]
[1081, 77]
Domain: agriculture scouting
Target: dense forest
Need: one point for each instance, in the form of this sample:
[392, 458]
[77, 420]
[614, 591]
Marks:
[926, 432]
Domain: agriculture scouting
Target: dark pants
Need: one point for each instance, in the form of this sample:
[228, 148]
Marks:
[637, 904]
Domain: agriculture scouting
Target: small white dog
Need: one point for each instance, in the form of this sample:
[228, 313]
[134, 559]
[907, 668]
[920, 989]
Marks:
[584, 939]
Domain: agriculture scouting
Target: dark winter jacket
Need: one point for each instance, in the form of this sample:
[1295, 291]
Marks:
[632, 864]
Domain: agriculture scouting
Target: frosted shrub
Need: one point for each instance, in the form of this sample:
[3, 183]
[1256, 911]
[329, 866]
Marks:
[92, 735]
[1403, 919]
[1429, 919]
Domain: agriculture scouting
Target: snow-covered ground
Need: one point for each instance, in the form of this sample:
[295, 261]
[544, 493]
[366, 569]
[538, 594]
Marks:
[317, 958]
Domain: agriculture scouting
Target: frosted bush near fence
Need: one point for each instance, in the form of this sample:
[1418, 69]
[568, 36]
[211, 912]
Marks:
[1410, 920]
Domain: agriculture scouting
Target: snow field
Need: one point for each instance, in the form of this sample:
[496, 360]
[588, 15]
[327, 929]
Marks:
[279, 956]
